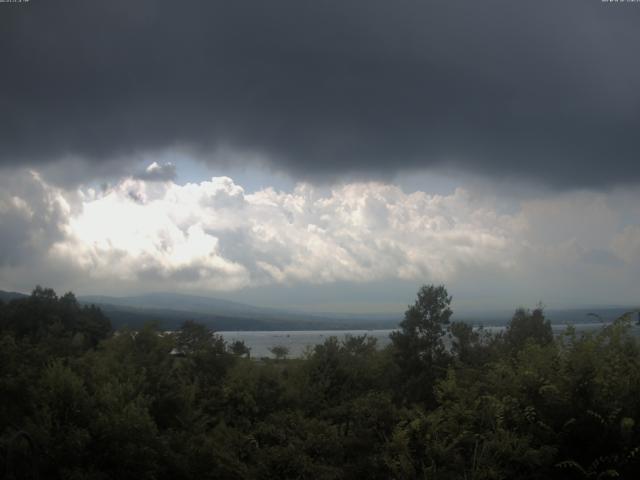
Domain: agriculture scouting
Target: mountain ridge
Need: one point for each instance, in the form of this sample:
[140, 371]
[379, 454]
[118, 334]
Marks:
[171, 309]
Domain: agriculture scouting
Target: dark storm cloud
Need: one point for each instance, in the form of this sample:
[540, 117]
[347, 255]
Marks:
[543, 89]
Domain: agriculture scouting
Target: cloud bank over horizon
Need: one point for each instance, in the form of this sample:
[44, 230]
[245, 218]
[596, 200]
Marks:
[211, 237]
[317, 148]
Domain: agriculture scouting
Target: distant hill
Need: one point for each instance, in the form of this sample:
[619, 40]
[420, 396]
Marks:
[180, 302]
[171, 309]
[133, 317]
[8, 296]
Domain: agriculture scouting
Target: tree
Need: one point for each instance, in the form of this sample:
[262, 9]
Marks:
[279, 351]
[528, 326]
[207, 358]
[195, 338]
[59, 323]
[240, 349]
[419, 347]
[463, 340]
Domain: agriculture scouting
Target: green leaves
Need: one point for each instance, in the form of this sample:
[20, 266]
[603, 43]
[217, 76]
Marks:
[418, 346]
[152, 405]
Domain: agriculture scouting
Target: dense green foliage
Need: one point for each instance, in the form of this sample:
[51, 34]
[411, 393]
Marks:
[443, 401]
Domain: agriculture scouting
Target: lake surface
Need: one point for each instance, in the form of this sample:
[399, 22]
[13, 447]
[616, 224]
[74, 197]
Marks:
[299, 341]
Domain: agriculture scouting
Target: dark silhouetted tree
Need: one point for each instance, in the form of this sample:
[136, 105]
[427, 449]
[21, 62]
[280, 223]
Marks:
[528, 326]
[279, 351]
[418, 345]
[239, 348]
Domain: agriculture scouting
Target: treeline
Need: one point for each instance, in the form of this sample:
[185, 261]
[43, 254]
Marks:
[443, 401]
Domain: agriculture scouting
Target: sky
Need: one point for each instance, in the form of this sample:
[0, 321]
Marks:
[326, 156]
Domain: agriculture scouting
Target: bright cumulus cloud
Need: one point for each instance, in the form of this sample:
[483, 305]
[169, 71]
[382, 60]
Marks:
[151, 233]
[213, 234]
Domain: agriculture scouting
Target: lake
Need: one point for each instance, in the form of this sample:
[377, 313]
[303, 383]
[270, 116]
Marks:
[298, 341]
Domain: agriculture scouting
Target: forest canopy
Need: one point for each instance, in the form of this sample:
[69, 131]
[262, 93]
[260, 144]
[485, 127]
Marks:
[443, 400]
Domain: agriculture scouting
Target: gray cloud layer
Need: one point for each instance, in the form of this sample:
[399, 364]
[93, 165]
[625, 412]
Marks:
[545, 90]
